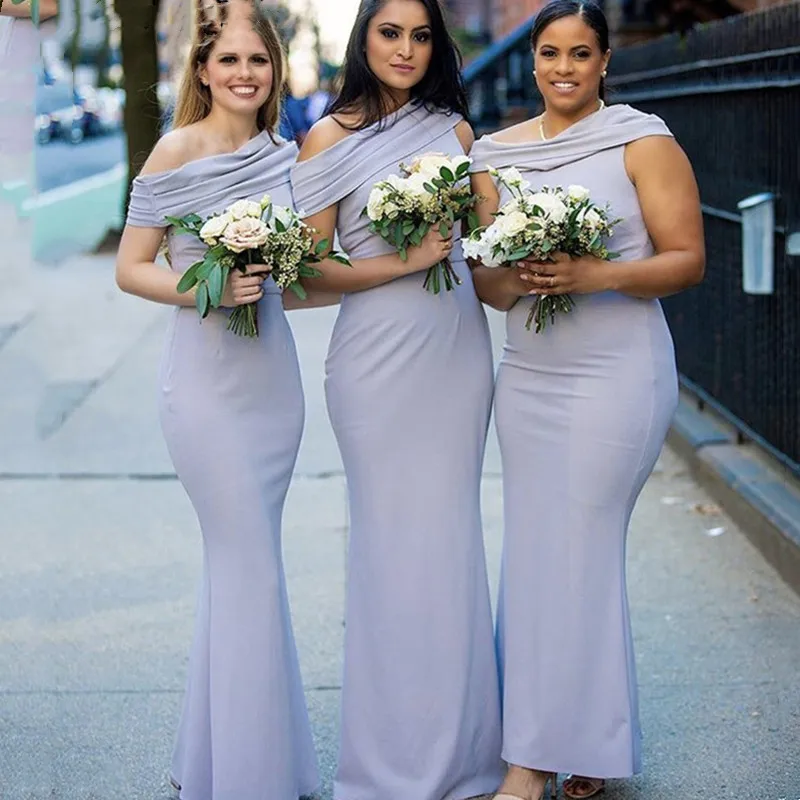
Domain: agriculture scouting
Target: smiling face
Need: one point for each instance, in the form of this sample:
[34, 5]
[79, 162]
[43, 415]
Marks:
[569, 64]
[399, 46]
[239, 70]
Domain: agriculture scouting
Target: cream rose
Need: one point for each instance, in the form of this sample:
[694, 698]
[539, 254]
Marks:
[245, 234]
[214, 228]
[245, 208]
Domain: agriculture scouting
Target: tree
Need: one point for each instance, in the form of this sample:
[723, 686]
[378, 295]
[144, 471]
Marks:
[138, 19]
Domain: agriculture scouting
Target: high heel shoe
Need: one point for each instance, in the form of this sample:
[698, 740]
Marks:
[578, 787]
[552, 779]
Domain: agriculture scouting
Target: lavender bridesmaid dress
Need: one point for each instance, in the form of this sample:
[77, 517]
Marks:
[409, 383]
[582, 411]
[232, 413]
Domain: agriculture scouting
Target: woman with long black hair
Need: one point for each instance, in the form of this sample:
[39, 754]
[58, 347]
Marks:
[409, 385]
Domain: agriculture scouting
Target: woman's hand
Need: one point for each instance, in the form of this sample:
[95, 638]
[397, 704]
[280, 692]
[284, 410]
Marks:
[433, 249]
[565, 275]
[243, 288]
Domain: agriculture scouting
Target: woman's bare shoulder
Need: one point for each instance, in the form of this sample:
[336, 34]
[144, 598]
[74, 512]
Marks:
[325, 133]
[523, 131]
[174, 150]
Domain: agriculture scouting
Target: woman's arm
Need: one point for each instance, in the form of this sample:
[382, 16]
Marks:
[47, 9]
[670, 204]
[369, 272]
[136, 270]
[498, 287]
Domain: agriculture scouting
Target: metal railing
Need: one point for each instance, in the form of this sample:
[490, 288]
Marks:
[730, 92]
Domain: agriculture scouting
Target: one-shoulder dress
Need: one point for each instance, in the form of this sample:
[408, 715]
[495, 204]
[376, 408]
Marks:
[582, 411]
[408, 386]
[232, 414]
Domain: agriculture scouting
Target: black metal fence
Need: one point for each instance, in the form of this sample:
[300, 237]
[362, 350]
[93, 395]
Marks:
[730, 92]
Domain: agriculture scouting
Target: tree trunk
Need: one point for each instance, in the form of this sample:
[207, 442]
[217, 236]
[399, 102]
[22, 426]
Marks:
[140, 67]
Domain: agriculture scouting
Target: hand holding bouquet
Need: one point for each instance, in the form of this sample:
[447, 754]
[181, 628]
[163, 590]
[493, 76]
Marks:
[431, 193]
[250, 232]
[535, 227]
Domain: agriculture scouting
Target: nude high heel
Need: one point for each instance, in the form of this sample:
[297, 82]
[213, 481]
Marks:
[552, 779]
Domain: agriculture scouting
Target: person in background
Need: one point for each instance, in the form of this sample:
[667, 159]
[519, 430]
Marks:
[319, 99]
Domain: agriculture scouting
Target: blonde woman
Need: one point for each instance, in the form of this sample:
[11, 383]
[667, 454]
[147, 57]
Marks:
[232, 414]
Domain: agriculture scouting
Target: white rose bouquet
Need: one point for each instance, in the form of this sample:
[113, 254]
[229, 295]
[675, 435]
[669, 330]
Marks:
[250, 232]
[432, 192]
[537, 225]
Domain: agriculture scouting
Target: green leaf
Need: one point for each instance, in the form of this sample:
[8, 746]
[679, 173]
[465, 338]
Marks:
[408, 227]
[298, 289]
[202, 300]
[216, 284]
[444, 230]
[439, 183]
[447, 174]
[472, 221]
[429, 187]
[189, 278]
[322, 246]
[462, 170]
[279, 226]
[399, 236]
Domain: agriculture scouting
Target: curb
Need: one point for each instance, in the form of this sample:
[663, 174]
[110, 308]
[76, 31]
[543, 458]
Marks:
[763, 500]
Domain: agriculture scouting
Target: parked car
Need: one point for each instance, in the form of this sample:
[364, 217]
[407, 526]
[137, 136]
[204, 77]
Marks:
[73, 113]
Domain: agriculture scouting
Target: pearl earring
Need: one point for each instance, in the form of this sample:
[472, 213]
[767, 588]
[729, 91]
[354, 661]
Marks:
[604, 73]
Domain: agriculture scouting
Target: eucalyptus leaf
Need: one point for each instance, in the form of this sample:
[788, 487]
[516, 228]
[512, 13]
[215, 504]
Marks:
[202, 299]
[189, 278]
[216, 284]
[298, 289]
[447, 174]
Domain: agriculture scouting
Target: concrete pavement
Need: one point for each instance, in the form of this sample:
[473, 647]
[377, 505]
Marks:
[101, 554]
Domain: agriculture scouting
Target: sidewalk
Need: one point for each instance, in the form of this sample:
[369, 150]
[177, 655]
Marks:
[101, 557]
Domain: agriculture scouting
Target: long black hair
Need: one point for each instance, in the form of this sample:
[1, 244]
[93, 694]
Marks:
[441, 89]
[589, 12]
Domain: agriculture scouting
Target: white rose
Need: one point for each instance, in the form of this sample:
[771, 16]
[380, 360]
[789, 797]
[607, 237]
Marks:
[377, 198]
[245, 234]
[429, 164]
[265, 201]
[513, 177]
[214, 228]
[513, 223]
[396, 182]
[416, 185]
[553, 208]
[284, 215]
[245, 208]
[591, 218]
[578, 193]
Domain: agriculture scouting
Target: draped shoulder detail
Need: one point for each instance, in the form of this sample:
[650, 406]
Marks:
[207, 185]
[333, 174]
[613, 126]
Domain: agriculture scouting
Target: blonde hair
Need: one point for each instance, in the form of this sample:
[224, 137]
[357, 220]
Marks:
[194, 99]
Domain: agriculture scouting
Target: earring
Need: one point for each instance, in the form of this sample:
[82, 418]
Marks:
[534, 73]
[604, 73]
